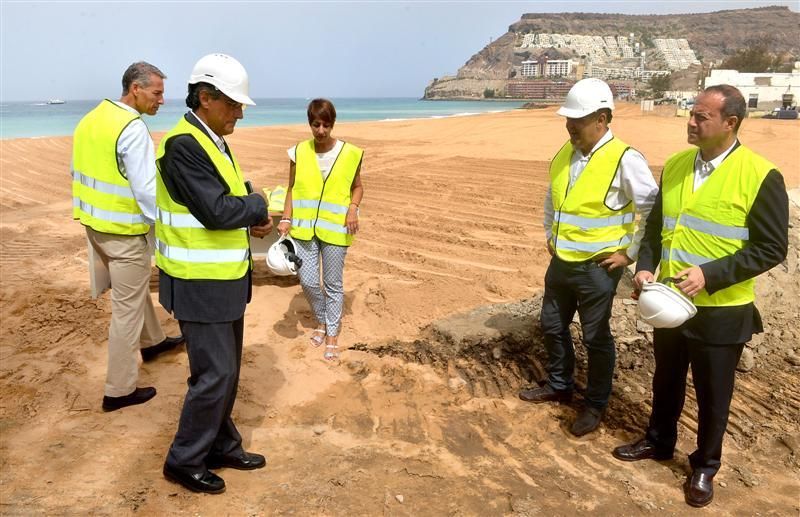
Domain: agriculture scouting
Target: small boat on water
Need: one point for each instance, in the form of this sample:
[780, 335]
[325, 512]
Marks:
[55, 101]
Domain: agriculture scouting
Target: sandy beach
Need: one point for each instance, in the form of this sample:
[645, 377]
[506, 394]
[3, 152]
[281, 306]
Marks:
[451, 221]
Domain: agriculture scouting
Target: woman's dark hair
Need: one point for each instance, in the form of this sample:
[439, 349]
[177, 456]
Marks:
[321, 109]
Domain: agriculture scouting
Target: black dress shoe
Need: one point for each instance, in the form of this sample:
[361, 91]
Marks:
[151, 352]
[246, 461]
[545, 394]
[644, 449]
[587, 421]
[699, 489]
[139, 396]
[206, 482]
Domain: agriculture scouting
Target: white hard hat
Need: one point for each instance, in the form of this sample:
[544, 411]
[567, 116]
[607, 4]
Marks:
[281, 257]
[663, 307]
[585, 97]
[224, 72]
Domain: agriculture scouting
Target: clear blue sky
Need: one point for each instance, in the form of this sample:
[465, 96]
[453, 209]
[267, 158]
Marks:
[78, 50]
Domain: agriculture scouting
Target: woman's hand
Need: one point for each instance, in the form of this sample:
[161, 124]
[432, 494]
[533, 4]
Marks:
[352, 219]
[284, 226]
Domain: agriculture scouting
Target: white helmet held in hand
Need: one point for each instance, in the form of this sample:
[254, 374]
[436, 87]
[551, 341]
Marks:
[585, 97]
[224, 72]
[664, 308]
[282, 259]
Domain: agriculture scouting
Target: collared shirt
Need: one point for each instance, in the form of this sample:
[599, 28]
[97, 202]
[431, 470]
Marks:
[218, 141]
[136, 158]
[632, 182]
[703, 169]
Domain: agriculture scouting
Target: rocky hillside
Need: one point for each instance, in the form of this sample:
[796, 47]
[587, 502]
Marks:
[713, 36]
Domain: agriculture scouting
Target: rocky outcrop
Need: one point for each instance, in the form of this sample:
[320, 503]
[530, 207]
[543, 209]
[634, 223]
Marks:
[713, 36]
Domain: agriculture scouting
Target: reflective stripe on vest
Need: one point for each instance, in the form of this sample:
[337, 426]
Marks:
[102, 198]
[106, 215]
[320, 207]
[184, 247]
[583, 226]
[710, 223]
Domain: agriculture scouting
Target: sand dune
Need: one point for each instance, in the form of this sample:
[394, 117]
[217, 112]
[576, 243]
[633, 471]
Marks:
[451, 220]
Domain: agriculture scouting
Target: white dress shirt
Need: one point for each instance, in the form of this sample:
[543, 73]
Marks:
[703, 170]
[632, 182]
[218, 141]
[137, 161]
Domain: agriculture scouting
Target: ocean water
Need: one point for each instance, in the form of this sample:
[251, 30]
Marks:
[38, 119]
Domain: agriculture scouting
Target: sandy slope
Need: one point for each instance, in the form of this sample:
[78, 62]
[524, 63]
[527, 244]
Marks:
[451, 221]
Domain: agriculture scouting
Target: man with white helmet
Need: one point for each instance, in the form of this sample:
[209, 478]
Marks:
[203, 252]
[720, 219]
[598, 185]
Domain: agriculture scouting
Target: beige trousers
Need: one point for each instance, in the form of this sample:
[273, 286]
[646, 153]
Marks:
[134, 323]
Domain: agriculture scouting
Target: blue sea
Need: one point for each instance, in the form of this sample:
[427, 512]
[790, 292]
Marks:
[38, 119]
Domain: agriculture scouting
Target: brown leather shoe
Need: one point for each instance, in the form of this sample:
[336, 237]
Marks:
[545, 394]
[699, 489]
[644, 449]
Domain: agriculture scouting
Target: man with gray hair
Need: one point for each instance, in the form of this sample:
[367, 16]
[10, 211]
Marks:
[113, 196]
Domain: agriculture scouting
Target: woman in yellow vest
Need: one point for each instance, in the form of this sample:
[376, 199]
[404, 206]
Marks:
[321, 214]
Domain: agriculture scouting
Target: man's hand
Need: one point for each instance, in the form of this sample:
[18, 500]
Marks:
[615, 260]
[639, 279]
[692, 280]
[642, 277]
[262, 229]
[550, 249]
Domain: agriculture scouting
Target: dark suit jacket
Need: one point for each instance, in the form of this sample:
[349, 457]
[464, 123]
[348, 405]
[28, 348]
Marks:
[768, 224]
[192, 180]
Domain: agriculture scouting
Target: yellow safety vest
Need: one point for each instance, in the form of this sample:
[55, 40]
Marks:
[102, 198]
[184, 247]
[709, 223]
[320, 207]
[583, 226]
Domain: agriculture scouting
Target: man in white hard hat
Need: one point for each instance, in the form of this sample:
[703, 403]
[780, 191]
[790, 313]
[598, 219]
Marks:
[598, 185]
[203, 252]
[114, 197]
[720, 219]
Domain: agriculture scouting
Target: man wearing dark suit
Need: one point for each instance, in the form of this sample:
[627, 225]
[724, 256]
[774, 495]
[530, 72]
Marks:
[204, 209]
[720, 219]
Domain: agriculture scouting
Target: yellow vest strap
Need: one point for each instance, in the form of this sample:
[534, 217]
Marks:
[202, 255]
[107, 215]
[177, 220]
[593, 222]
[711, 228]
[102, 186]
[592, 247]
[684, 256]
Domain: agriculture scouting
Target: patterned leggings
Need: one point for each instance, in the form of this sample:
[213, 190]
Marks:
[326, 300]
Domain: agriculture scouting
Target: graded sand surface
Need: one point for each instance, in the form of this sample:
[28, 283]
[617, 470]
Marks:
[451, 221]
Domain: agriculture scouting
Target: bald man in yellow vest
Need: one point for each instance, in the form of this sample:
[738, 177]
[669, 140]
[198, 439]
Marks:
[598, 184]
[720, 219]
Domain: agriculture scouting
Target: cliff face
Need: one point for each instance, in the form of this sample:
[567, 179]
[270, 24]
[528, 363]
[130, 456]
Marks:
[713, 36]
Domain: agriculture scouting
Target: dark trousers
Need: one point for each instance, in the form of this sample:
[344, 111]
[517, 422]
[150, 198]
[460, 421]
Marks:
[589, 289]
[713, 374]
[206, 427]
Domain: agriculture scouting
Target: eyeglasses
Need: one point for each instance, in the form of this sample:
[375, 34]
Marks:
[230, 102]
